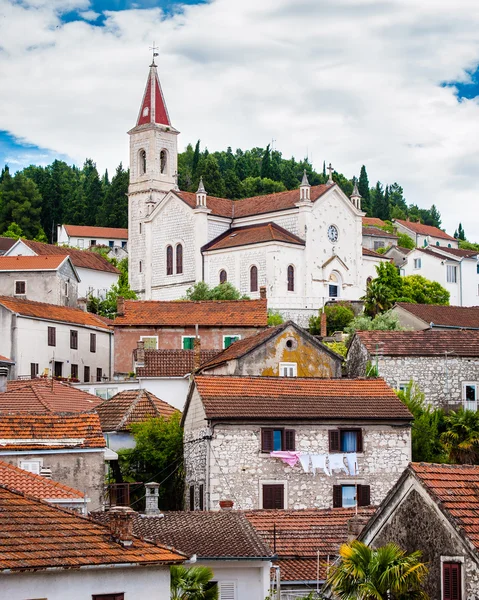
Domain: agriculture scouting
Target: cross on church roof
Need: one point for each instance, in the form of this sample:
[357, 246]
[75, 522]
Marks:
[330, 178]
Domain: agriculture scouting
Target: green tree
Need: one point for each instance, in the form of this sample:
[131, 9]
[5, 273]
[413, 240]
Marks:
[420, 290]
[196, 160]
[274, 318]
[114, 208]
[461, 438]
[266, 164]
[223, 291]
[107, 307]
[213, 181]
[338, 317]
[386, 321]
[193, 583]
[363, 187]
[158, 451]
[396, 198]
[233, 185]
[404, 241]
[13, 231]
[288, 175]
[385, 573]
[20, 203]
[380, 203]
[93, 192]
[459, 233]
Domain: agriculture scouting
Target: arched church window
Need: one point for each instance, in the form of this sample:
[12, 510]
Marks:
[290, 278]
[163, 161]
[142, 162]
[253, 279]
[169, 260]
[179, 259]
[334, 282]
[223, 276]
[368, 281]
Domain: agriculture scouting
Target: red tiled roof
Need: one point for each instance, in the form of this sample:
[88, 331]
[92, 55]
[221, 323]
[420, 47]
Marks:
[6, 244]
[41, 432]
[84, 259]
[298, 536]
[35, 486]
[187, 313]
[5, 359]
[374, 231]
[256, 205]
[52, 312]
[425, 229]
[451, 316]
[207, 534]
[368, 252]
[31, 263]
[428, 342]
[131, 406]
[430, 250]
[274, 398]
[458, 252]
[455, 489]
[373, 222]
[96, 232]
[171, 363]
[35, 535]
[44, 396]
[253, 234]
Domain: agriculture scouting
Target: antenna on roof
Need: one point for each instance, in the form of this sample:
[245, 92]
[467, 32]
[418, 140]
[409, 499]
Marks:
[155, 53]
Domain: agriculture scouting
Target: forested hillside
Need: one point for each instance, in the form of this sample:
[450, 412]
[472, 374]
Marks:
[35, 200]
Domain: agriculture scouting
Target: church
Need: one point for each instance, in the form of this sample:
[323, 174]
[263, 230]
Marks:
[304, 245]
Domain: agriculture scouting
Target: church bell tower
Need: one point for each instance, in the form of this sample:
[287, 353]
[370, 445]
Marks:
[153, 173]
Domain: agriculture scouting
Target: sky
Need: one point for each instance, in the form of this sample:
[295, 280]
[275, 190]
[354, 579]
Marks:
[391, 84]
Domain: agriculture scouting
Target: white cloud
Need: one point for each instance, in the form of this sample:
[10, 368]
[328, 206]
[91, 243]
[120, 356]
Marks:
[89, 15]
[351, 81]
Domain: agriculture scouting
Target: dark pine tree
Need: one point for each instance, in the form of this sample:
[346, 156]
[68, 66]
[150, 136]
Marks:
[363, 188]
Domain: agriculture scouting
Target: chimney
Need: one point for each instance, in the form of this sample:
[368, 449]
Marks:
[324, 330]
[355, 526]
[262, 292]
[140, 353]
[152, 491]
[121, 525]
[3, 379]
[82, 304]
[120, 306]
[196, 353]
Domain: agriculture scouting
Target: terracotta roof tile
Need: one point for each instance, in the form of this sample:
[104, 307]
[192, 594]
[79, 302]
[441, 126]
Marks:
[84, 259]
[171, 363]
[35, 486]
[368, 252]
[253, 234]
[375, 232]
[44, 396]
[131, 406]
[451, 316]
[35, 536]
[6, 244]
[458, 252]
[52, 312]
[32, 432]
[298, 536]
[373, 222]
[185, 313]
[96, 232]
[31, 263]
[425, 229]
[428, 342]
[206, 534]
[256, 205]
[431, 252]
[273, 398]
[5, 359]
[455, 488]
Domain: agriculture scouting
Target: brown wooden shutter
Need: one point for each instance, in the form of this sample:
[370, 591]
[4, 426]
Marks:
[192, 497]
[289, 439]
[267, 440]
[364, 495]
[334, 440]
[337, 496]
[52, 337]
[253, 279]
[359, 441]
[451, 581]
[92, 342]
[273, 496]
[201, 498]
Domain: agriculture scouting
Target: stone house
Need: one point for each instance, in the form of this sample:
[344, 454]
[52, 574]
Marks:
[443, 363]
[425, 235]
[286, 350]
[96, 274]
[436, 316]
[46, 339]
[59, 554]
[434, 509]
[233, 427]
[84, 236]
[375, 238]
[51, 279]
[174, 325]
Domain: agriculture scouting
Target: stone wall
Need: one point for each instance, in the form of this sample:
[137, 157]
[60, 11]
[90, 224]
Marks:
[236, 467]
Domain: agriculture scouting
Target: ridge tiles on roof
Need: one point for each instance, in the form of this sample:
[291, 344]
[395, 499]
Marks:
[452, 316]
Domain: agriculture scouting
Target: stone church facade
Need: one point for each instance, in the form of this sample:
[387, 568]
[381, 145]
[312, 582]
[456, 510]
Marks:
[304, 245]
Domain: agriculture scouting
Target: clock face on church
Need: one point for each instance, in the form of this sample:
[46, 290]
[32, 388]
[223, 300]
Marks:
[333, 233]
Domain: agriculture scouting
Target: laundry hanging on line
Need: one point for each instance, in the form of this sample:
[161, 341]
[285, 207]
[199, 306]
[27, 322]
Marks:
[319, 462]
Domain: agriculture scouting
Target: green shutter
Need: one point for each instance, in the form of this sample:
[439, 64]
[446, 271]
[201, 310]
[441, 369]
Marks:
[188, 343]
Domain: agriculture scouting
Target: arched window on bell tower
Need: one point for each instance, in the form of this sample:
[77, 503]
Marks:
[163, 161]
[142, 161]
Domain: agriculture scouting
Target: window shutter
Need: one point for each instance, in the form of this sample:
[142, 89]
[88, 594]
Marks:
[267, 443]
[227, 590]
[273, 496]
[253, 279]
[359, 441]
[192, 497]
[337, 496]
[364, 495]
[451, 582]
[278, 494]
[289, 439]
[334, 440]
[227, 342]
[268, 500]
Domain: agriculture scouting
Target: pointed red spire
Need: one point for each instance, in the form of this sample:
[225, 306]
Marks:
[153, 107]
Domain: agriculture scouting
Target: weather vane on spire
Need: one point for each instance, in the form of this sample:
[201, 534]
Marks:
[155, 53]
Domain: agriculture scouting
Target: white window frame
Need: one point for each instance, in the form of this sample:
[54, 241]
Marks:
[282, 482]
[288, 365]
[236, 335]
[15, 288]
[402, 386]
[149, 337]
[470, 383]
[187, 337]
[417, 263]
[450, 269]
[81, 243]
[38, 461]
[454, 559]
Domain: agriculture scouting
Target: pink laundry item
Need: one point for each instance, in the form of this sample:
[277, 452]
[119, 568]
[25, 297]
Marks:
[288, 457]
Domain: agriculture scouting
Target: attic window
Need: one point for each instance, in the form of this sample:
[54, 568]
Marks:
[291, 344]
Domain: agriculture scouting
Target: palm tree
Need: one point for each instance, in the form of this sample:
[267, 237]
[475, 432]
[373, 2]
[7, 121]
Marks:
[385, 573]
[192, 584]
[461, 438]
[378, 298]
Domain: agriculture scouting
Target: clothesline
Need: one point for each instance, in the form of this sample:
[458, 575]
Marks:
[320, 462]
